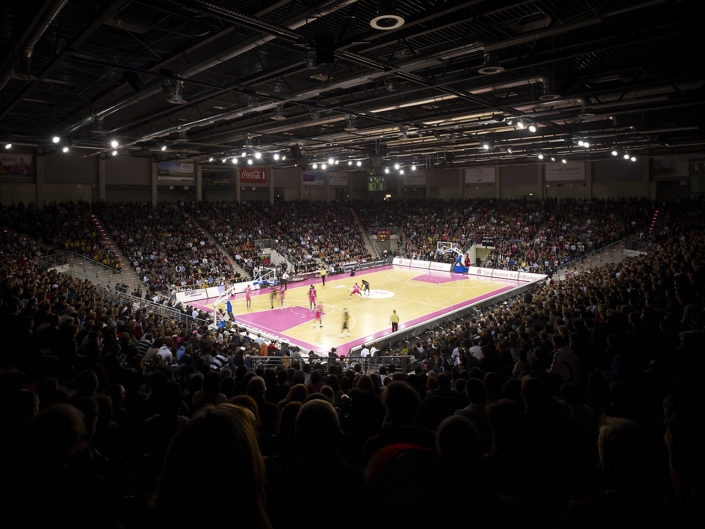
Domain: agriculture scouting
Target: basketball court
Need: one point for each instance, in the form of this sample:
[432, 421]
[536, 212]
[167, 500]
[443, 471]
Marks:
[416, 294]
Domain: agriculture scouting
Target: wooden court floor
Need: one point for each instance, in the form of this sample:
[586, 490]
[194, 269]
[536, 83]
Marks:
[415, 294]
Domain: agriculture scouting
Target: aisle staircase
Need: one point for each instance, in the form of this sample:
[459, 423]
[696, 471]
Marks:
[370, 246]
[127, 274]
[233, 264]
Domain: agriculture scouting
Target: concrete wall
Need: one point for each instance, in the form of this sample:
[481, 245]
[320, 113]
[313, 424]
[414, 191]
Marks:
[78, 175]
[14, 193]
[517, 181]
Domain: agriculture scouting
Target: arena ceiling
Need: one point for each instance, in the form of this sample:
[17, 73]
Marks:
[451, 86]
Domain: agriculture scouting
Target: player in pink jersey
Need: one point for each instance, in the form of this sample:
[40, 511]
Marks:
[319, 315]
[312, 297]
[248, 296]
[282, 292]
[355, 290]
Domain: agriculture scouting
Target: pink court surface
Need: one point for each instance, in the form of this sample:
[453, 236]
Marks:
[417, 295]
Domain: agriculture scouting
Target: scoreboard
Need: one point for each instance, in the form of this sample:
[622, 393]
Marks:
[383, 235]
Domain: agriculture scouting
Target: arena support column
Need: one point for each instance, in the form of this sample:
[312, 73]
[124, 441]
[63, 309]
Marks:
[199, 180]
[101, 179]
[39, 179]
[154, 183]
[270, 179]
[238, 189]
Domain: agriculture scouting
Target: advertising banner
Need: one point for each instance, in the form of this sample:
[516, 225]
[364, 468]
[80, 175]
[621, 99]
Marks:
[253, 175]
[175, 173]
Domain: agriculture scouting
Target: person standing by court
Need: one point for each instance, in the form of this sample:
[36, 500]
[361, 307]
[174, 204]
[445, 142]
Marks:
[323, 275]
[229, 310]
[285, 278]
[394, 319]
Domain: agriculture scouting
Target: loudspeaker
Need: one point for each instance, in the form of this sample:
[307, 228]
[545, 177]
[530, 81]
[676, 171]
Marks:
[296, 153]
[325, 49]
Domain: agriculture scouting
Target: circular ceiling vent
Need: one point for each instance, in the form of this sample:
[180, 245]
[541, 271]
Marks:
[387, 17]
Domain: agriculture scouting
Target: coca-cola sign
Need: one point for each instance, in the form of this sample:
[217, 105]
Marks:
[253, 175]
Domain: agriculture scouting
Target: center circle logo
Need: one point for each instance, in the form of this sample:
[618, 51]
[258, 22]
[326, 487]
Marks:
[380, 294]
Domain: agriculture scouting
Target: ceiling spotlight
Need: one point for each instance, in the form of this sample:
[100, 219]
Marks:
[359, 163]
[633, 158]
[283, 157]
[55, 139]
[540, 156]
[276, 156]
[586, 145]
[486, 146]
[349, 162]
[614, 153]
[163, 147]
[337, 161]
[258, 155]
[210, 159]
[234, 160]
[553, 158]
[401, 171]
[224, 160]
[520, 124]
[626, 156]
[563, 160]
[331, 161]
[114, 144]
[413, 168]
[509, 150]
[324, 166]
[65, 148]
[8, 146]
[510, 121]
[396, 166]
[387, 17]
[386, 170]
[314, 166]
[580, 143]
[532, 128]
[114, 153]
[243, 154]
[249, 161]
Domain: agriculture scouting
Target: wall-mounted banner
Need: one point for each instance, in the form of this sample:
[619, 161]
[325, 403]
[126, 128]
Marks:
[313, 178]
[413, 178]
[669, 167]
[175, 173]
[562, 172]
[16, 167]
[338, 179]
[253, 175]
[480, 175]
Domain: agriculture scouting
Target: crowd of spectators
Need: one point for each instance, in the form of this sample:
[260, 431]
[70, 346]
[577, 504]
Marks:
[524, 234]
[165, 247]
[65, 225]
[576, 405]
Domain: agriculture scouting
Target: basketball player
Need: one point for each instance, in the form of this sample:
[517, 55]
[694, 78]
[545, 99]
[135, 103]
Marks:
[272, 296]
[312, 297]
[282, 292]
[366, 287]
[355, 290]
[319, 315]
[346, 321]
[248, 296]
